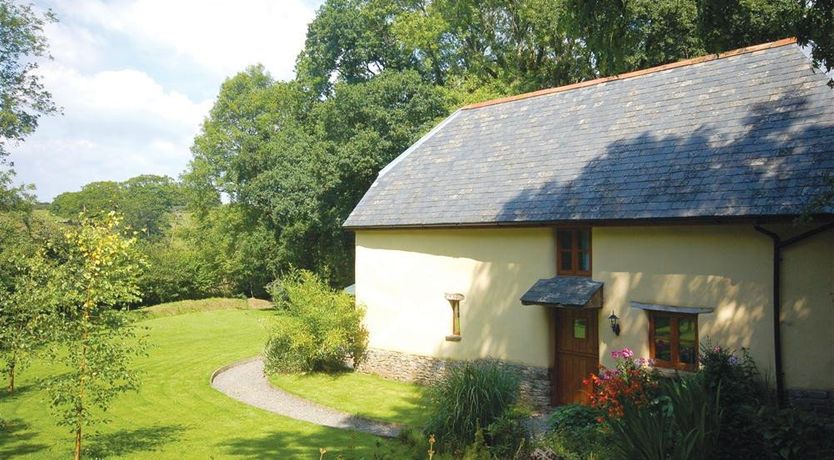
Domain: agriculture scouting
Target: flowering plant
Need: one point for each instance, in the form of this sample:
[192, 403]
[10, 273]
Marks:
[630, 381]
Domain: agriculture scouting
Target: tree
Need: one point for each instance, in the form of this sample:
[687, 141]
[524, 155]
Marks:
[23, 98]
[630, 35]
[26, 308]
[14, 198]
[509, 46]
[624, 36]
[351, 41]
[816, 28]
[95, 198]
[729, 24]
[26, 286]
[97, 341]
[145, 202]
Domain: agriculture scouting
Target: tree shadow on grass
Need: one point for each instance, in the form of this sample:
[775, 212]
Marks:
[344, 444]
[15, 439]
[123, 442]
[19, 391]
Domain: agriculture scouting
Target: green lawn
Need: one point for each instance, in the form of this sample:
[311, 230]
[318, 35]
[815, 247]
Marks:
[362, 394]
[177, 414]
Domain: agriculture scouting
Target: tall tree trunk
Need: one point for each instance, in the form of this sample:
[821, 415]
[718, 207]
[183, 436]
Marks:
[77, 443]
[11, 374]
[82, 371]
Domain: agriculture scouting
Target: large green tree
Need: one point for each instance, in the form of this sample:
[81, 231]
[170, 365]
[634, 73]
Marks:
[145, 201]
[292, 167]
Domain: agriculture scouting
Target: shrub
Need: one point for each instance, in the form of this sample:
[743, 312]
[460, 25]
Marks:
[742, 393]
[508, 435]
[576, 433]
[316, 329]
[471, 397]
[683, 423]
[631, 381]
[175, 272]
[791, 433]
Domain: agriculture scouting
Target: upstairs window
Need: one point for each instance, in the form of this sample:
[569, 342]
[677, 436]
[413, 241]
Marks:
[673, 340]
[573, 251]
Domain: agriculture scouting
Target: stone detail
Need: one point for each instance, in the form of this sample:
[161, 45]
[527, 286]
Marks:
[535, 381]
[818, 401]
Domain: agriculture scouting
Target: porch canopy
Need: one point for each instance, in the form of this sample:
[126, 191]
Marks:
[565, 292]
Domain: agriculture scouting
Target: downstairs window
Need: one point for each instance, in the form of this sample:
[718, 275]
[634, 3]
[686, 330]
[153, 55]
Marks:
[673, 340]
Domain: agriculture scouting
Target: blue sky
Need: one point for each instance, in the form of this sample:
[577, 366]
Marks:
[135, 79]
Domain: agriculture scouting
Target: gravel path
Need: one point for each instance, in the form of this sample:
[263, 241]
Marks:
[246, 382]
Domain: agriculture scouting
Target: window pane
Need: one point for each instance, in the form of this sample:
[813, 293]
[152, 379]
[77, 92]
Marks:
[566, 261]
[663, 338]
[580, 327]
[565, 239]
[688, 337]
[584, 261]
[584, 239]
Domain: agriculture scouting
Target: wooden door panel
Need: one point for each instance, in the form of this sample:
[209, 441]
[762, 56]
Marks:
[572, 370]
[577, 354]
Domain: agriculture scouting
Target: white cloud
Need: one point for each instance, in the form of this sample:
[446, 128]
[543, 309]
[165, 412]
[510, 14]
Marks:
[116, 64]
[74, 44]
[117, 124]
[223, 37]
[127, 92]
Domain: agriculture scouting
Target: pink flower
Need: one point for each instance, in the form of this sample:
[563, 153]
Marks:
[625, 353]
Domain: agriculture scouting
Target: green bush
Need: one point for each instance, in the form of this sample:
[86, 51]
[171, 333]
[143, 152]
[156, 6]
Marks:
[742, 393]
[791, 433]
[316, 329]
[576, 433]
[175, 272]
[684, 423]
[473, 397]
[508, 435]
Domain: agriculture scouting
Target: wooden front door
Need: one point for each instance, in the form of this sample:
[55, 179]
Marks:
[577, 354]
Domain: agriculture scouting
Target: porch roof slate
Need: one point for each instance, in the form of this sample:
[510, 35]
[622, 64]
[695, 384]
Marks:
[568, 291]
[746, 134]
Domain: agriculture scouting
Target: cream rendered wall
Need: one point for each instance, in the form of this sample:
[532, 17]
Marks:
[402, 275]
[808, 313]
[728, 268]
[722, 267]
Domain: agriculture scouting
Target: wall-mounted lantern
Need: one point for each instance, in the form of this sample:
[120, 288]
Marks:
[615, 323]
[454, 301]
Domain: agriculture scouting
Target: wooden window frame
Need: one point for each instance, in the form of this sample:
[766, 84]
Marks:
[675, 363]
[574, 251]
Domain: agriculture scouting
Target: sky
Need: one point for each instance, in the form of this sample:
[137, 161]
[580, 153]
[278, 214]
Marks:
[136, 78]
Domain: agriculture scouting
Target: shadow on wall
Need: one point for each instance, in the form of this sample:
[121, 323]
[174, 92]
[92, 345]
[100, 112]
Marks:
[493, 321]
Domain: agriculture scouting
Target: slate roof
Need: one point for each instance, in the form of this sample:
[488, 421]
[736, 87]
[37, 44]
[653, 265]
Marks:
[747, 133]
[568, 291]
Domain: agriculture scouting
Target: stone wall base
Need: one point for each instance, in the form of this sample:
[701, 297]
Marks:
[818, 401]
[535, 381]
